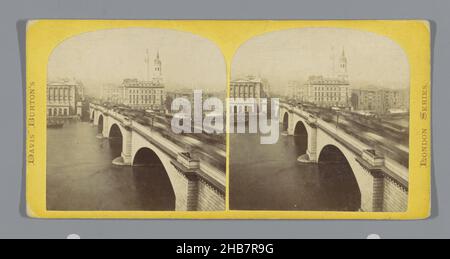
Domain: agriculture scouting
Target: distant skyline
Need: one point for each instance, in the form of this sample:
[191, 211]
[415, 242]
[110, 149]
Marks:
[296, 54]
[108, 56]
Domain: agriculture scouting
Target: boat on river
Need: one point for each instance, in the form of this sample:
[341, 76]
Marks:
[55, 123]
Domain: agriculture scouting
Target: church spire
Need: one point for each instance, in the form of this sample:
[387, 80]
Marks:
[157, 73]
[342, 67]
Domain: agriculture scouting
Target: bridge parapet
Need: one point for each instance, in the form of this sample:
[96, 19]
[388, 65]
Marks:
[346, 139]
[201, 186]
[118, 116]
[174, 150]
[373, 158]
[203, 191]
[187, 161]
[161, 142]
[383, 181]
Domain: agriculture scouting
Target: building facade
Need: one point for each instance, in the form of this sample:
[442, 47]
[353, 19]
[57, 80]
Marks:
[112, 94]
[137, 94]
[380, 100]
[189, 95]
[144, 95]
[249, 88]
[297, 92]
[322, 91]
[327, 92]
[64, 97]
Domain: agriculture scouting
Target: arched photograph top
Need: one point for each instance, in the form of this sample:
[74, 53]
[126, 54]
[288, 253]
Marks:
[110, 141]
[342, 127]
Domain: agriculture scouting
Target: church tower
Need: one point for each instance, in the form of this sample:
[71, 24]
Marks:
[157, 72]
[342, 72]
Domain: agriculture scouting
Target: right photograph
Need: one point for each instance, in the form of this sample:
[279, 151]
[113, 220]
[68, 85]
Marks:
[326, 116]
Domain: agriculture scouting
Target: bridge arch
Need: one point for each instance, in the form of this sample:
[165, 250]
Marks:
[147, 161]
[116, 139]
[115, 131]
[301, 137]
[335, 165]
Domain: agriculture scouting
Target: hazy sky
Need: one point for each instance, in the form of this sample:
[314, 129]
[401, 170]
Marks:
[298, 53]
[109, 56]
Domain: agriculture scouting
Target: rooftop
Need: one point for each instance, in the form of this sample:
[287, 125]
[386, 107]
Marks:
[63, 82]
[321, 80]
[372, 88]
[138, 83]
[248, 79]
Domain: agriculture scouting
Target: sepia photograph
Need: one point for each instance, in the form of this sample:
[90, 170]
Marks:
[111, 104]
[341, 122]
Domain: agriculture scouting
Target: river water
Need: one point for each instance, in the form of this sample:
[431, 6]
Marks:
[268, 177]
[80, 175]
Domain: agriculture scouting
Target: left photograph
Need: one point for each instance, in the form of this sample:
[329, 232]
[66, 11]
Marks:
[116, 100]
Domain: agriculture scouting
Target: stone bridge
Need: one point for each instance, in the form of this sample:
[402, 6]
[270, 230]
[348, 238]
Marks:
[197, 185]
[382, 182]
